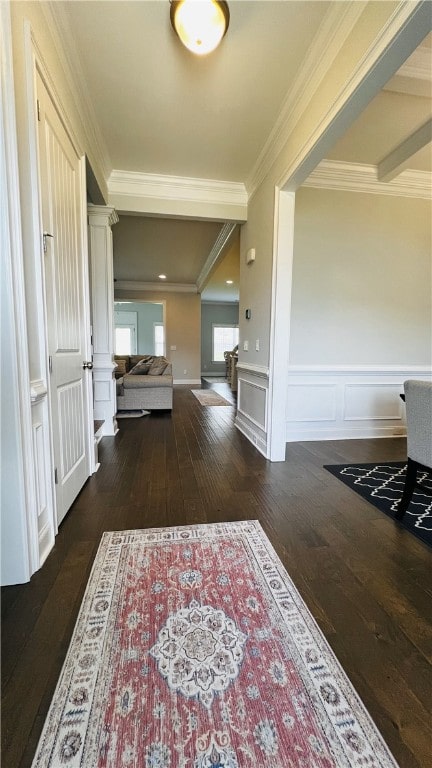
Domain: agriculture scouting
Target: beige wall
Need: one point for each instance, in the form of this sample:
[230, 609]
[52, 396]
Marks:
[255, 278]
[361, 290]
[183, 329]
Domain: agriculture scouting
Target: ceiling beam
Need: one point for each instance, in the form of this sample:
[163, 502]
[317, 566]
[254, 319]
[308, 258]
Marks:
[398, 159]
[212, 260]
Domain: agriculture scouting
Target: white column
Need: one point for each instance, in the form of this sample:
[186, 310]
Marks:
[101, 219]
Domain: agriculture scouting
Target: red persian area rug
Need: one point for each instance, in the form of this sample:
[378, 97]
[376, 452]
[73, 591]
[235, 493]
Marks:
[193, 649]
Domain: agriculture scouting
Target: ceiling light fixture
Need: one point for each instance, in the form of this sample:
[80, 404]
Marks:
[200, 24]
[162, 277]
[229, 282]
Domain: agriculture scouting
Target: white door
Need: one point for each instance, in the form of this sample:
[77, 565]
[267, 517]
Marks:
[67, 300]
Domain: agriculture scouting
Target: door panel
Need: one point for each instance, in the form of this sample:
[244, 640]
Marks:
[68, 336]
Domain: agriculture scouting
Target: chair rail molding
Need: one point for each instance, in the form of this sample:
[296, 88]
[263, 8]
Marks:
[38, 390]
[261, 371]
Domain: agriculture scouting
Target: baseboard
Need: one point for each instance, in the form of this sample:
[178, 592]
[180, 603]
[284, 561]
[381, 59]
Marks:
[46, 542]
[195, 382]
[298, 435]
[249, 430]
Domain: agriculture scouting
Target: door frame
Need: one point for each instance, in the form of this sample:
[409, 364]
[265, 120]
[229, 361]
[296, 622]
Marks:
[19, 501]
[35, 63]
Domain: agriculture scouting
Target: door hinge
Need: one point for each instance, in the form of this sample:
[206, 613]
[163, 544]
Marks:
[45, 241]
[55, 476]
[50, 363]
[38, 109]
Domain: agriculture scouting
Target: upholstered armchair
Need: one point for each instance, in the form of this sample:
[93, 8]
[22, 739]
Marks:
[418, 401]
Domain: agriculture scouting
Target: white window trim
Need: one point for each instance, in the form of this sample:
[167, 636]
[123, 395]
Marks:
[159, 324]
[220, 325]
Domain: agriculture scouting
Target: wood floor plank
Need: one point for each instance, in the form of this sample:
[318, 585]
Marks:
[367, 582]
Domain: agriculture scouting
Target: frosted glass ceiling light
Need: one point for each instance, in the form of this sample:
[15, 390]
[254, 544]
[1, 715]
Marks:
[200, 24]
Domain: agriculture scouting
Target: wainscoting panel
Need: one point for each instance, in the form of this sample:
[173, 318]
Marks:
[320, 404]
[347, 402]
[43, 471]
[104, 395]
[372, 402]
[251, 399]
[252, 404]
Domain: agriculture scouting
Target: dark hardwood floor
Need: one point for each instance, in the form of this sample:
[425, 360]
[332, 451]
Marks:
[366, 580]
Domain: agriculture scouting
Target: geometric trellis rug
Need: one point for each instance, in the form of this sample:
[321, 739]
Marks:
[193, 649]
[382, 485]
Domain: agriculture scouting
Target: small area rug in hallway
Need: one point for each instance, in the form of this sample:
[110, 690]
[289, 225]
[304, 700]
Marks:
[382, 485]
[215, 379]
[193, 649]
[209, 397]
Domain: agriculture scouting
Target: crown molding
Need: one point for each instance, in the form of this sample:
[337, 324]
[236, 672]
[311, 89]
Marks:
[105, 211]
[368, 71]
[67, 52]
[221, 242]
[136, 285]
[222, 302]
[356, 177]
[418, 65]
[332, 34]
[176, 187]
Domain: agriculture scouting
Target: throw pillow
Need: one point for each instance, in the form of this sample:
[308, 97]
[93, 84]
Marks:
[121, 367]
[141, 369]
[158, 366]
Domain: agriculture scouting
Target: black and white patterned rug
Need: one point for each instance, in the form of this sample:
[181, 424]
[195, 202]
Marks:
[382, 486]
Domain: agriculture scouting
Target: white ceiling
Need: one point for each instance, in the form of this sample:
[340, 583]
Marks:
[161, 110]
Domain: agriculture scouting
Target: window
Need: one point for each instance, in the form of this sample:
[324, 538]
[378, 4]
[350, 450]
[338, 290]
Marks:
[125, 334]
[225, 338]
[158, 339]
[125, 340]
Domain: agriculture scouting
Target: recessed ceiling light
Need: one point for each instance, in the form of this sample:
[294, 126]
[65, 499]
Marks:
[229, 282]
[162, 277]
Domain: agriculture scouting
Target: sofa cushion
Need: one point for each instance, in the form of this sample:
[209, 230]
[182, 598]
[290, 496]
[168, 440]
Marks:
[158, 366]
[141, 382]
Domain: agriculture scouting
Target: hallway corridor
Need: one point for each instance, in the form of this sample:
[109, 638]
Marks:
[366, 581]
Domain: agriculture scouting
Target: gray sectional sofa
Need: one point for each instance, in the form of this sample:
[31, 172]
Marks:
[149, 387]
